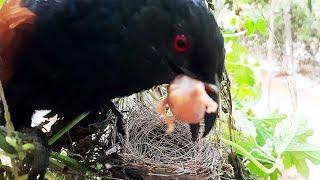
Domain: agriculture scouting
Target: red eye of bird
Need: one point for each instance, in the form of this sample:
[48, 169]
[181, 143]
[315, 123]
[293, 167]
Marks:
[181, 43]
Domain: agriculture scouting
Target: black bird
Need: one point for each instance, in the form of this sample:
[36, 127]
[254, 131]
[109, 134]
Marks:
[73, 56]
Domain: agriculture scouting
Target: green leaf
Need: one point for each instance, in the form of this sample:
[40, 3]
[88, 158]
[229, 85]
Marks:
[310, 5]
[249, 144]
[256, 171]
[28, 147]
[263, 134]
[297, 153]
[248, 93]
[249, 25]
[261, 26]
[5, 146]
[1, 3]
[314, 156]
[12, 141]
[233, 21]
[303, 137]
[295, 146]
[298, 150]
[275, 175]
[241, 74]
[285, 133]
[266, 126]
[248, 128]
[287, 160]
[270, 120]
[302, 168]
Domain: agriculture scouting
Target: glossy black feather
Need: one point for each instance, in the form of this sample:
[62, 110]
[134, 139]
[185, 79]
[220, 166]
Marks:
[82, 53]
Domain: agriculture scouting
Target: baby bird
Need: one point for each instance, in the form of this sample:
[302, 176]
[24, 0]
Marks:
[187, 100]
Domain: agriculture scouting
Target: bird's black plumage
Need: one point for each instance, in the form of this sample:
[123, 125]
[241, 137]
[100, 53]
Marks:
[79, 54]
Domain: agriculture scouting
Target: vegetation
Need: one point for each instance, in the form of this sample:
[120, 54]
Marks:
[264, 142]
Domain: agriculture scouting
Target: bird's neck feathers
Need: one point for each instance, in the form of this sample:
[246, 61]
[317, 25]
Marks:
[14, 18]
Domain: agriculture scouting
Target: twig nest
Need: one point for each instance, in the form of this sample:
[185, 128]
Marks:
[147, 144]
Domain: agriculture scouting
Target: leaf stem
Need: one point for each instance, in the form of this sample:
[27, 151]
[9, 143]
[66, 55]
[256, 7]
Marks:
[253, 159]
[67, 128]
[7, 116]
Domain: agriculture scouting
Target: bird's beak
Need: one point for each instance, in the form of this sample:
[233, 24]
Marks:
[211, 88]
[209, 119]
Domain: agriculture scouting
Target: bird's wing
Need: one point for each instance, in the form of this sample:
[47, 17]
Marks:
[15, 22]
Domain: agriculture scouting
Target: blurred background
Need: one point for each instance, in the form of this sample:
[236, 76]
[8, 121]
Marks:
[273, 60]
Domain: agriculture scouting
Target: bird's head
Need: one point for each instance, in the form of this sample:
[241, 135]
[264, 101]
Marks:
[196, 46]
[180, 37]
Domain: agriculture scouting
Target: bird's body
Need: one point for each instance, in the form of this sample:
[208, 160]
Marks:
[74, 55]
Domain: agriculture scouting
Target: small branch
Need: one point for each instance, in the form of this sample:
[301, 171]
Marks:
[235, 34]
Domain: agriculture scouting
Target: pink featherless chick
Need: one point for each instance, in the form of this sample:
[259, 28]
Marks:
[188, 101]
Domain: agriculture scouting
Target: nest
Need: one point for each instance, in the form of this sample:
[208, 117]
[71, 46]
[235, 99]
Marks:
[147, 149]
[147, 144]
